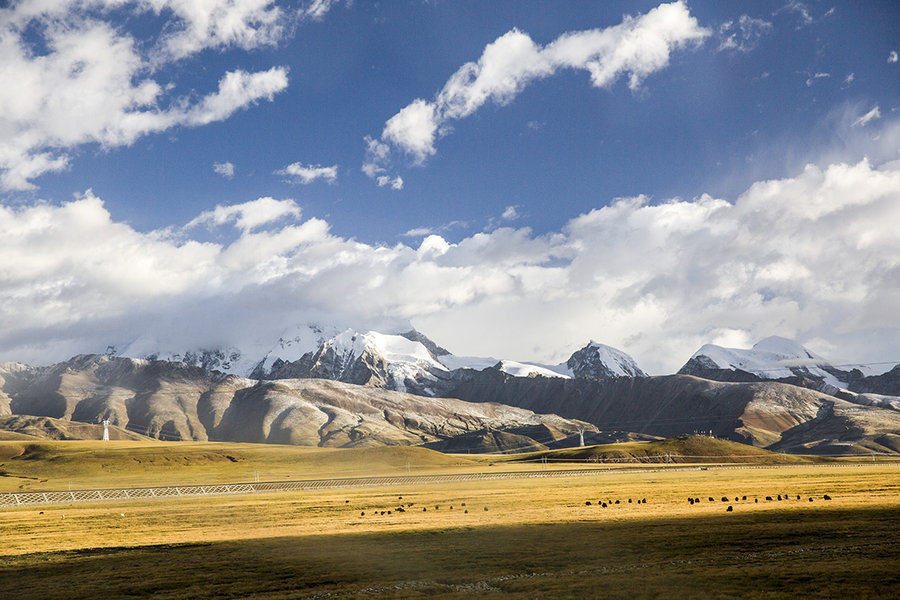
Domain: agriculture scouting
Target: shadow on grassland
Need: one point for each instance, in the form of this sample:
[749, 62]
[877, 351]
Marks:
[804, 552]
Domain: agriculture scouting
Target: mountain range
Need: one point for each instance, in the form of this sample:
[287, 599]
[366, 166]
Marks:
[321, 386]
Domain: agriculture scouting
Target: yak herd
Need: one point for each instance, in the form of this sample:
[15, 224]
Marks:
[401, 508]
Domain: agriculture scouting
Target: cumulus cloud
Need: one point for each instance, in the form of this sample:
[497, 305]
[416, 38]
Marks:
[636, 48]
[743, 35]
[510, 214]
[249, 215]
[301, 173]
[71, 77]
[225, 169]
[814, 257]
[892, 56]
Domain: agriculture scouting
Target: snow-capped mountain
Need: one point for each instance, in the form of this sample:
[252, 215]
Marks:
[598, 361]
[410, 362]
[774, 358]
[406, 362]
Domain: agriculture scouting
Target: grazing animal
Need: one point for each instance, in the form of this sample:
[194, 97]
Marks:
[798, 496]
[463, 504]
[424, 508]
[629, 501]
[711, 499]
[644, 501]
[389, 512]
[769, 498]
[485, 509]
[696, 499]
[466, 511]
[603, 505]
[617, 501]
[588, 503]
[743, 497]
[362, 514]
[826, 497]
[691, 501]
[729, 509]
[382, 512]
[346, 502]
[451, 507]
[779, 496]
[756, 500]
[724, 499]
[810, 499]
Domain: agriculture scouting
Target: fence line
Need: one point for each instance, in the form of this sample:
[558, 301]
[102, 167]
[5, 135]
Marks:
[16, 499]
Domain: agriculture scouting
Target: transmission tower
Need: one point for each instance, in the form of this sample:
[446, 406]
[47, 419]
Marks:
[105, 430]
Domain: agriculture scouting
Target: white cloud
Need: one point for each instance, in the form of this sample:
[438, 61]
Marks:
[510, 214]
[812, 77]
[395, 183]
[892, 57]
[814, 256]
[413, 129]
[93, 82]
[636, 48]
[309, 173]
[317, 9]
[798, 8]
[225, 169]
[244, 24]
[864, 120]
[249, 215]
[744, 35]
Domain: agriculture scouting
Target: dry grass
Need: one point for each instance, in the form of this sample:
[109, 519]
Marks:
[538, 538]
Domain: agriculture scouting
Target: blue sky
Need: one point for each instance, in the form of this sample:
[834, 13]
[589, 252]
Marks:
[570, 171]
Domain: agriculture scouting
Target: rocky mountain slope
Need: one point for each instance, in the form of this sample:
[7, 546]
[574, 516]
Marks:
[175, 401]
[766, 414]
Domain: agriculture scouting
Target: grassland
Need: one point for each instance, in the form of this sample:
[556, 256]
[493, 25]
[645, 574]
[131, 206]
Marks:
[537, 538]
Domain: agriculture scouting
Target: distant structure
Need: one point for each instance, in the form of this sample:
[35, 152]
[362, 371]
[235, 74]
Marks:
[105, 430]
[581, 437]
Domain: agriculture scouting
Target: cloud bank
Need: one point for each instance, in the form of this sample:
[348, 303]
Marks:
[70, 76]
[813, 257]
[638, 47]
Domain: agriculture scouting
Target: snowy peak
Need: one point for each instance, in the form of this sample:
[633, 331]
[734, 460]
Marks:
[517, 369]
[774, 358]
[371, 358]
[785, 350]
[771, 358]
[599, 361]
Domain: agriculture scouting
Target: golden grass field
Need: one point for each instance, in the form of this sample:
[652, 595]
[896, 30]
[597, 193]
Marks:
[537, 539]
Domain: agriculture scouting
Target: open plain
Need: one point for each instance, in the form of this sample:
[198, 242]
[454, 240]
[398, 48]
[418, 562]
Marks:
[520, 538]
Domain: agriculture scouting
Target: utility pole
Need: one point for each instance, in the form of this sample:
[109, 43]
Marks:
[105, 430]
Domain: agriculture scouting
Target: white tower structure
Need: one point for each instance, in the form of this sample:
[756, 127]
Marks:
[105, 430]
[581, 437]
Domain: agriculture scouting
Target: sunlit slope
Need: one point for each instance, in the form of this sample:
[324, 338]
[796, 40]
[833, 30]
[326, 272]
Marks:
[680, 449]
[46, 465]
